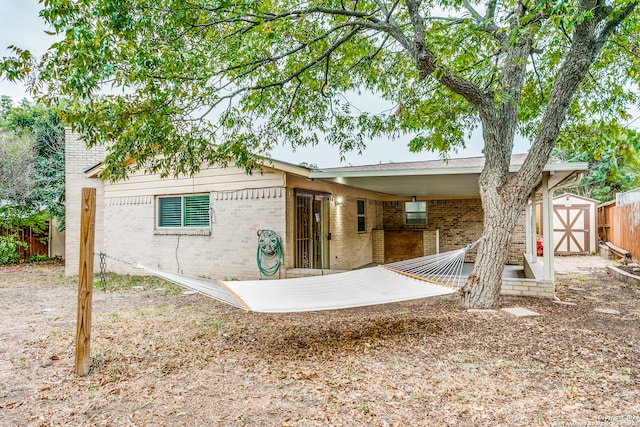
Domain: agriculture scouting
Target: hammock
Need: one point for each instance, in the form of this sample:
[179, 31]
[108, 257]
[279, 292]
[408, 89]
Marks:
[417, 278]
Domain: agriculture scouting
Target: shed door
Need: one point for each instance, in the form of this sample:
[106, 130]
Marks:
[571, 229]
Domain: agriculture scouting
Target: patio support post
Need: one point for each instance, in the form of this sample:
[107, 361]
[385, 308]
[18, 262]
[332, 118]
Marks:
[527, 229]
[533, 237]
[547, 223]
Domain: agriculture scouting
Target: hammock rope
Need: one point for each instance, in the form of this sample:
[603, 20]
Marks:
[445, 268]
[423, 277]
[206, 287]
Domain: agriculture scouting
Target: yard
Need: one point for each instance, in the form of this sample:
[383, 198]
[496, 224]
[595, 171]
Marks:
[160, 357]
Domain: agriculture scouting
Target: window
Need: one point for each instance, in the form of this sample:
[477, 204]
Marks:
[183, 211]
[415, 213]
[362, 222]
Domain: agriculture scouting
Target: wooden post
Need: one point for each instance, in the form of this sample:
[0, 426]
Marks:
[85, 281]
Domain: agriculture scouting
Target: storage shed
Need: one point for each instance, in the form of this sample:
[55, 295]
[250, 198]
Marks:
[575, 228]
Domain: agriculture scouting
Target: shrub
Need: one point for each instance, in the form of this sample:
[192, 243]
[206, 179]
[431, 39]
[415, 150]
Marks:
[9, 249]
[38, 258]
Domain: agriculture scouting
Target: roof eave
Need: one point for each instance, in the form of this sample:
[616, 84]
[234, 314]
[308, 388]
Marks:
[550, 167]
[566, 167]
[287, 167]
[94, 171]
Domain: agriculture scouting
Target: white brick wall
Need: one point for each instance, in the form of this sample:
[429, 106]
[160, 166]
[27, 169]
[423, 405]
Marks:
[528, 287]
[228, 251]
[125, 226]
[77, 159]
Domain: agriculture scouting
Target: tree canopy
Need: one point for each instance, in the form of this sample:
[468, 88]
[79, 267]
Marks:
[213, 80]
[612, 152]
[32, 153]
[17, 156]
[170, 85]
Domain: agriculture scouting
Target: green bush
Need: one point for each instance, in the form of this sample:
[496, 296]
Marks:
[38, 258]
[9, 249]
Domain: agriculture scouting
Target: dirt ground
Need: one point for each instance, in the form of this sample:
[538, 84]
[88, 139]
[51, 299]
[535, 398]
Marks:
[165, 358]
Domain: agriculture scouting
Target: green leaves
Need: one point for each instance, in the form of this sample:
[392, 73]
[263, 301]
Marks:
[170, 84]
[613, 154]
[32, 149]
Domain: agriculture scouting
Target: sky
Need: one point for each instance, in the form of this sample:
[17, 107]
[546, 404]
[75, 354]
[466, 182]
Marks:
[21, 25]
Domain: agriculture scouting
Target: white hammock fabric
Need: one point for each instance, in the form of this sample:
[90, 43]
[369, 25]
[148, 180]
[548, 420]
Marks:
[357, 288]
[402, 281]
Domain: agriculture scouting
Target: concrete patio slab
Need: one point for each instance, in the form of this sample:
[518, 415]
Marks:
[583, 264]
[520, 312]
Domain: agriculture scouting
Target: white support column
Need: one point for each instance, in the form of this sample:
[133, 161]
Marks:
[547, 223]
[529, 249]
[534, 227]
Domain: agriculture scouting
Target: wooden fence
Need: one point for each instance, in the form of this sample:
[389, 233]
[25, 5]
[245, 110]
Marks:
[624, 227]
[37, 244]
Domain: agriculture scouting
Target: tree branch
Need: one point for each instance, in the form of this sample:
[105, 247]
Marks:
[583, 52]
[473, 12]
[612, 24]
[416, 21]
[486, 23]
[427, 65]
[288, 78]
[535, 71]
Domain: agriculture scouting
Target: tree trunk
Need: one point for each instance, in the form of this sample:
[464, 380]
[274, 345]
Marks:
[482, 289]
[503, 203]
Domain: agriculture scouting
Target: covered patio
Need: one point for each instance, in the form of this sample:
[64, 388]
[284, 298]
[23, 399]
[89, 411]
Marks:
[458, 179]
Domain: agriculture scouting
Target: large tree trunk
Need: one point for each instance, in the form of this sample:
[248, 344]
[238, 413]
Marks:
[502, 206]
[503, 198]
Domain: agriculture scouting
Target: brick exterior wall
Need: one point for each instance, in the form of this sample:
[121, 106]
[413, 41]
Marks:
[227, 250]
[429, 242]
[377, 237]
[77, 159]
[528, 288]
[459, 222]
[350, 249]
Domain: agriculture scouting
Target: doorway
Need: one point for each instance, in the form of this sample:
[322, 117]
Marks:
[312, 230]
[571, 229]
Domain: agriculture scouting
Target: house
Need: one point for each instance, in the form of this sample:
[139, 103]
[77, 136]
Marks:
[328, 220]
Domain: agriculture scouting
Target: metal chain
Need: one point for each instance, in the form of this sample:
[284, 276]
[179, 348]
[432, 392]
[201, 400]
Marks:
[103, 270]
[103, 267]
[130, 263]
